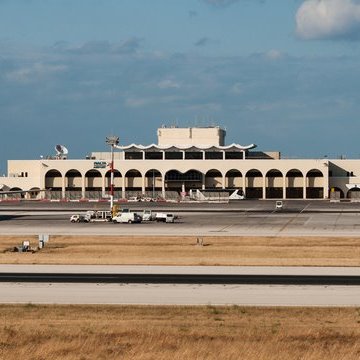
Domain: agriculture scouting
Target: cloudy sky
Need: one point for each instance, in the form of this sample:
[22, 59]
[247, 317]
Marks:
[283, 74]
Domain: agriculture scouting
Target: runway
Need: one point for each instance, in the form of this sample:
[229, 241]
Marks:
[155, 294]
[147, 293]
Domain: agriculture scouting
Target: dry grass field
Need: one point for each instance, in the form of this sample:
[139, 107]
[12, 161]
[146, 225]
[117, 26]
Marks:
[128, 332]
[182, 250]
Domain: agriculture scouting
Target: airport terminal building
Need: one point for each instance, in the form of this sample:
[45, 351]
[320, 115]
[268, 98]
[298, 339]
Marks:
[184, 160]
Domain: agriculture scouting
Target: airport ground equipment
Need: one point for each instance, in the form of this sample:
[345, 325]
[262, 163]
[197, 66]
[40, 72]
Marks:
[165, 217]
[127, 217]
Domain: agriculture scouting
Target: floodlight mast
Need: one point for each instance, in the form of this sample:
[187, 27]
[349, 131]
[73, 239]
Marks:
[112, 141]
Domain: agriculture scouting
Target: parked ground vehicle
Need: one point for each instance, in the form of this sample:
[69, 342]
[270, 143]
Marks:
[127, 217]
[78, 218]
[279, 205]
[99, 215]
[165, 217]
[148, 215]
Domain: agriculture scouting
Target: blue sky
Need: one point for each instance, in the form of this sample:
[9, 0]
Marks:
[283, 74]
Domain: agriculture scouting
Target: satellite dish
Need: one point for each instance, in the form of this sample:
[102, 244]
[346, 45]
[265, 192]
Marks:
[61, 152]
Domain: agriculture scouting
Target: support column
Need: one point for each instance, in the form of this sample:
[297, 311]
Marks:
[284, 187]
[83, 187]
[264, 188]
[123, 195]
[143, 178]
[103, 187]
[203, 185]
[326, 183]
[63, 180]
[163, 186]
[223, 182]
[244, 185]
[304, 188]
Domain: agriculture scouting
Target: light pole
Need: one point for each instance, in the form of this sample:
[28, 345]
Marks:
[112, 141]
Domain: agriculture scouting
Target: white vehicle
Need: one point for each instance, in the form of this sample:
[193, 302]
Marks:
[78, 218]
[148, 215]
[98, 216]
[165, 217]
[279, 205]
[128, 217]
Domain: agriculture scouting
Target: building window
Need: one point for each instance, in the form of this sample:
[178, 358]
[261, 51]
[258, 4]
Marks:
[194, 155]
[173, 155]
[213, 155]
[153, 155]
[136, 155]
[233, 155]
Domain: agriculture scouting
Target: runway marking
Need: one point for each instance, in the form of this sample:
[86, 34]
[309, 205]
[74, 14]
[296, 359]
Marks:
[292, 219]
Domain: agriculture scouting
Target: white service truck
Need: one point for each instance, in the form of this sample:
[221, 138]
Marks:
[98, 216]
[165, 217]
[126, 217]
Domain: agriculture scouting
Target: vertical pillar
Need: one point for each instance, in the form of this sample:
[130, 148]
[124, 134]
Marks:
[183, 155]
[63, 185]
[103, 186]
[123, 195]
[223, 181]
[325, 179]
[163, 186]
[284, 187]
[203, 185]
[264, 187]
[223, 154]
[83, 187]
[244, 184]
[304, 187]
[143, 154]
[163, 154]
[143, 178]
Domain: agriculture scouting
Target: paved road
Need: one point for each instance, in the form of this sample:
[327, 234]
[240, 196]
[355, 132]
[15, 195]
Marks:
[179, 294]
[155, 294]
[159, 269]
[245, 223]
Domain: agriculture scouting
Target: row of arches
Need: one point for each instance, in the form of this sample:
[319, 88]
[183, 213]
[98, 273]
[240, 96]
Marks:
[255, 184]
[232, 172]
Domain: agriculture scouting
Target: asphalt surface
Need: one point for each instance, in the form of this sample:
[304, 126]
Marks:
[180, 279]
[251, 218]
[318, 218]
[179, 294]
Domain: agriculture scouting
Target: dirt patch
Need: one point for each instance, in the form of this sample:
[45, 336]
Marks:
[185, 250]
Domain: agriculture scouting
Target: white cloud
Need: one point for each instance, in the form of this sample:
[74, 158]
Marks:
[237, 88]
[34, 72]
[328, 19]
[220, 3]
[274, 54]
[136, 102]
[225, 3]
[168, 84]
